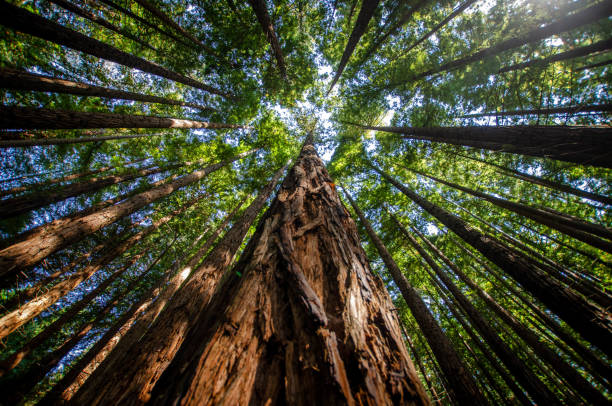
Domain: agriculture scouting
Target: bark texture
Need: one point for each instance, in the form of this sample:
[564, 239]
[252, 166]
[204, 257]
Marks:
[32, 118]
[593, 323]
[24, 21]
[132, 382]
[581, 145]
[22, 80]
[300, 310]
[261, 11]
[461, 385]
[49, 238]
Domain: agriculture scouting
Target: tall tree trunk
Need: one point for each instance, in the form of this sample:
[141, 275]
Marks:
[544, 352]
[417, 358]
[564, 24]
[537, 180]
[15, 319]
[49, 238]
[546, 111]
[524, 375]
[24, 21]
[31, 117]
[570, 225]
[462, 387]
[582, 145]
[261, 11]
[304, 319]
[63, 141]
[22, 80]
[600, 46]
[368, 7]
[136, 375]
[588, 320]
[81, 12]
[25, 203]
[594, 65]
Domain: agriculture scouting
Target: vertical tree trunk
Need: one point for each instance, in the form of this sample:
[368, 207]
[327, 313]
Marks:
[22, 80]
[24, 21]
[261, 11]
[49, 238]
[304, 319]
[136, 375]
[417, 358]
[461, 385]
[586, 319]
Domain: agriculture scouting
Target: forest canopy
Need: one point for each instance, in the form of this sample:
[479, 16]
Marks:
[152, 151]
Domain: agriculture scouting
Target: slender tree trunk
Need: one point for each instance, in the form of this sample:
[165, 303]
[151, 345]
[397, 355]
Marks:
[570, 225]
[25, 203]
[368, 7]
[568, 372]
[582, 145]
[417, 358]
[33, 308]
[594, 65]
[81, 12]
[30, 117]
[524, 375]
[564, 24]
[586, 319]
[63, 141]
[546, 111]
[462, 387]
[600, 46]
[537, 180]
[261, 11]
[24, 21]
[22, 80]
[302, 310]
[49, 238]
[136, 375]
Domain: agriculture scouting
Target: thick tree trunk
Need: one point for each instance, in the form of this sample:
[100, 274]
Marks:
[33, 308]
[567, 23]
[304, 319]
[368, 7]
[600, 46]
[261, 11]
[32, 118]
[570, 225]
[523, 374]
[63, 141]
[25, 203]
[49, 238]
[536, 180]
[462, 387]
[24, 21]
[586, 319]
[582, 145]
[568, 372]
[132, 381]
[81, 12]
[590, 108]
[22, 80]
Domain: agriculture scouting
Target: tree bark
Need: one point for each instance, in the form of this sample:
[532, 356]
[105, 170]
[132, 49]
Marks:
[261, 11]
[576, 380]
[32, 118]
[368, 7]
[600, 46]
[300, 310]
[594, 65]
[586, 319]
[417, 359]
[49, 238]
[33, 308]
[590, 108]
[581, 145]
[537, 180]
[22, 80]
[81, 12]
[461, 385]
[138, 372]
[24, 21]
[570, 225]
[63, 141]
[523, 374]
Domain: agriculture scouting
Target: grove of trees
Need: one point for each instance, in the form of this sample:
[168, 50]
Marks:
[352, 202]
